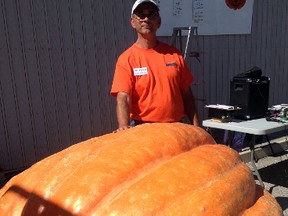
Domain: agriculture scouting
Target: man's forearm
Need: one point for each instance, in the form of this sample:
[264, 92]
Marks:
[190, 106]
[123, 109]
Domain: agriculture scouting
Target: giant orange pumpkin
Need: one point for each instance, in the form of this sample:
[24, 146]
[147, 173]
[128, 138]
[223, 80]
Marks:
[151, 169]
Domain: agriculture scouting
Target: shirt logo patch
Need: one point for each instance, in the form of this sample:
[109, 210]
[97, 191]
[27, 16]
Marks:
[170, 64]
[140, 71]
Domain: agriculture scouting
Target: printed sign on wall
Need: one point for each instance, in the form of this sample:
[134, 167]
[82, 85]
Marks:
[217, 17]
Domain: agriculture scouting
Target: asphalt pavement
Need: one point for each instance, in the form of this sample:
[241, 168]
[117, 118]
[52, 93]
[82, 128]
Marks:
[273, 169]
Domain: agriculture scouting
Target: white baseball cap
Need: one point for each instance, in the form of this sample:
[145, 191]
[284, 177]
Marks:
[139, 2]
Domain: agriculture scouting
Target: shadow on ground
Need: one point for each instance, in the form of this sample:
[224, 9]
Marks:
[276, 175]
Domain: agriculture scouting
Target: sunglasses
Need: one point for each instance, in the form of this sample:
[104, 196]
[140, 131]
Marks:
[151, 16]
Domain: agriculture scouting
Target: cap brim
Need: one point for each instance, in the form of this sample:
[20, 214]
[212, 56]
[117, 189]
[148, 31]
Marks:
[145, 2]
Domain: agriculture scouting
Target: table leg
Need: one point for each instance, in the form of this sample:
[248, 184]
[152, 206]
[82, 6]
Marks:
[252, 156]
[252, 160]
[268, 140]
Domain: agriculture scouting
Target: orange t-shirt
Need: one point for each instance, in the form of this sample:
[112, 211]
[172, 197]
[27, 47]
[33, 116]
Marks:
[154, 79]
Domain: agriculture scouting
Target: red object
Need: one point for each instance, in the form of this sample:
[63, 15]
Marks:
[235, 4]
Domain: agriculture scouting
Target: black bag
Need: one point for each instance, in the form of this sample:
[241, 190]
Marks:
[253, 73]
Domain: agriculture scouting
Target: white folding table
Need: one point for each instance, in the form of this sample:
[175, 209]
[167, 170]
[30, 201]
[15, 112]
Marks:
[254, 127]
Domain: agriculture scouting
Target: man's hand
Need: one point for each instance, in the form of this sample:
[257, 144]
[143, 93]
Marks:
[122, 128]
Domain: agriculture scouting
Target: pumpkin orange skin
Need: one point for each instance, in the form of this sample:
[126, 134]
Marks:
[151, 169]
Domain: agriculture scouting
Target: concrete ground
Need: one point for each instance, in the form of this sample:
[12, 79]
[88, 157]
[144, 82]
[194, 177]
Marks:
[272, 169]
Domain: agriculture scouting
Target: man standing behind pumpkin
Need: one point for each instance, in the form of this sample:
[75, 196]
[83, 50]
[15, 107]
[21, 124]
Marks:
[151, 81]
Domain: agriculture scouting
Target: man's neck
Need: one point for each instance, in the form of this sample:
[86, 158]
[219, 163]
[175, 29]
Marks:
[147, 43]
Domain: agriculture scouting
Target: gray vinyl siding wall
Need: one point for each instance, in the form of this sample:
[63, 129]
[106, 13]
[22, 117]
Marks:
[57, 60]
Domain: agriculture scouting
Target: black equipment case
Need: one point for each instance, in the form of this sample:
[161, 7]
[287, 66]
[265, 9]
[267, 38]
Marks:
[250, 92]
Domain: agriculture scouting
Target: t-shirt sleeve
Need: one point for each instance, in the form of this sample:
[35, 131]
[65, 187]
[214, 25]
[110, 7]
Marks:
[122, 81]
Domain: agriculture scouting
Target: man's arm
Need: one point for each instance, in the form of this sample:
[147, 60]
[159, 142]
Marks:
[190, 106]
[123, 111]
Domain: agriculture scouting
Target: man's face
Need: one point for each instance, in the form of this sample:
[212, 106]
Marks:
[146, 19]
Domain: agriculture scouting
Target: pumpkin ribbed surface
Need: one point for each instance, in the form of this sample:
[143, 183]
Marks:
[151, 169]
